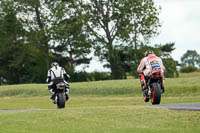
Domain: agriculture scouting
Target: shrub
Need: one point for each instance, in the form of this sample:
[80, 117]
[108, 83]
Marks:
[84, 76]
[79, 77]
[188, 69]
[100, 76]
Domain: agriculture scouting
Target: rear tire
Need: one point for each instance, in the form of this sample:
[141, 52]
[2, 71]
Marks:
[61, 100]
[156, 93]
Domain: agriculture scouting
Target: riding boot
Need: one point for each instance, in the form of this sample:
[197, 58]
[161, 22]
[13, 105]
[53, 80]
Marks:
[162, 87]
[143, 84]
[52, 94]
[67, 93]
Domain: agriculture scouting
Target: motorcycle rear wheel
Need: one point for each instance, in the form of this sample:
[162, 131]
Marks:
[61, 100]
[156, 93]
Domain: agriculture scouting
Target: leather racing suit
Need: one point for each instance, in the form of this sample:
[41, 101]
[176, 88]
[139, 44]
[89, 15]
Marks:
[149, 64]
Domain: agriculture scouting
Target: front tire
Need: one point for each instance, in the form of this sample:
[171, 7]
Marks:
[61, 100]
[156, 93]
[146, 99]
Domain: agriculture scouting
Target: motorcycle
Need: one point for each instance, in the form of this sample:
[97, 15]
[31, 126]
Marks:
[60, 94]
[153, 88]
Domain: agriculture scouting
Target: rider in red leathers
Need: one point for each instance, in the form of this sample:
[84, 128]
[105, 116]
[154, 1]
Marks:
[149, 63]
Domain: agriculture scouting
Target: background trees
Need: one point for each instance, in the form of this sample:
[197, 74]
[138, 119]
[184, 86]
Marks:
[190, 61]
[164, 51]
[71, 42]
[33, 33]
[112, 23]
[41, 32]
[191, 58]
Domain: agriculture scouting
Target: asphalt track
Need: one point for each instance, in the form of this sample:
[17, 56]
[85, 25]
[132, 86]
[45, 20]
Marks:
[19, 110]
[181, 106]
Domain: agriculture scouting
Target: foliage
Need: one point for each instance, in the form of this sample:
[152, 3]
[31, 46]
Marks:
[45, 34]
[114, 22]
[33, 33]
[96, 76]
[84, 76]
[18, 59]
[71, 42]
[79, 77]
[170, 66]
[191, 58]
[188, 69]
[129, 63]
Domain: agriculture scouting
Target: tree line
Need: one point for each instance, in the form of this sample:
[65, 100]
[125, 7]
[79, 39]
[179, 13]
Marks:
[33, 33]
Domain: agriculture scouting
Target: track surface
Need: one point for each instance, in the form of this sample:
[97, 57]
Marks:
[19, 110]
[182, 106]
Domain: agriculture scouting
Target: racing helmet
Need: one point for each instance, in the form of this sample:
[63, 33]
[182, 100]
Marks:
[54, 64]
[148, 52]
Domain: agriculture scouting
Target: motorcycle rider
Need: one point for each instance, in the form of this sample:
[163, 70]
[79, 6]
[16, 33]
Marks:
[55, 75]
[149, 63]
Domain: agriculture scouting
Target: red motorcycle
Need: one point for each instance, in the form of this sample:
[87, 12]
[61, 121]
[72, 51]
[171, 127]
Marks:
[153, 88]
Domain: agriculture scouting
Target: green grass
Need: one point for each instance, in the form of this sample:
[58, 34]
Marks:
[121, 114]
[23, 90]
[114, 106]
[187, 75]
[173, 87]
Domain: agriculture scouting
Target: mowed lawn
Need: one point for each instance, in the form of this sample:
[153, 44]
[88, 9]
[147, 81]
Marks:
[99, 107]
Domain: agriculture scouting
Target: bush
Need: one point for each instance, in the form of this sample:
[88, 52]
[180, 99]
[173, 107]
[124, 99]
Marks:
[84, 76]
[188, 69]
[100, 76]
[80, 77]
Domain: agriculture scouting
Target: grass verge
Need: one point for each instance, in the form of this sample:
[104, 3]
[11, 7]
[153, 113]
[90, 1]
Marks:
[114, 106]
[173, 87]
[120, 114]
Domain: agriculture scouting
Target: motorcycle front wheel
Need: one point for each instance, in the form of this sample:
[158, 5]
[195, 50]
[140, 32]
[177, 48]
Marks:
[146, 99]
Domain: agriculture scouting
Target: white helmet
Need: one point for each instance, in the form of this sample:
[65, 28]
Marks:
[54, 64]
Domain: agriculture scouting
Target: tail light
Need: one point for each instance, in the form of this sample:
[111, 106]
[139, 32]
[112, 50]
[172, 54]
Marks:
[157, 73]
[62, 85]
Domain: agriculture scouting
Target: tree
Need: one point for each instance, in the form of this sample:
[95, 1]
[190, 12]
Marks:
[18, 59]
[71, 41]
[11, 33]
[191, 58]
[112, 23]
[164, 51]
[188, 69]
[169, 63]
[58, 29]
[35, 32]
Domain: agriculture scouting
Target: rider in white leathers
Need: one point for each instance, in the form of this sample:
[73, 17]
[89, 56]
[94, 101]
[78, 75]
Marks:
[55, 75]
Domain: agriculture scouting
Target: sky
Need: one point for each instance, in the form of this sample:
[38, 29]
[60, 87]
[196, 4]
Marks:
[180, 21]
